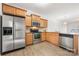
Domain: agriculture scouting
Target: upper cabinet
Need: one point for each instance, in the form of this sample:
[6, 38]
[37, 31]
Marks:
[20, 12]
[35, 20]
[43, 23]
[28, 20]
[7, 9]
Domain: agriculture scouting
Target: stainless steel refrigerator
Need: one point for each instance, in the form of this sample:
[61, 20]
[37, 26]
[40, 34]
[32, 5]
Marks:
[12, 33]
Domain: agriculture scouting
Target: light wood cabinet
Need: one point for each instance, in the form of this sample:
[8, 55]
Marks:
[38, 19]
[34, 18]
[29, 38]
[45, 23]
[42, 23]
[28, 20]
[43, 36]
[20, 12]
[8, 9]
[52, 37]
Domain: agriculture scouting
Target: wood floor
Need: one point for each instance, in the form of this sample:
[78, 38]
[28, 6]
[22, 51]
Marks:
[41, 49]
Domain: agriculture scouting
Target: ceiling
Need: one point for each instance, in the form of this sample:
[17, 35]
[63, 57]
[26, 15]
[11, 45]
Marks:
[61, 11]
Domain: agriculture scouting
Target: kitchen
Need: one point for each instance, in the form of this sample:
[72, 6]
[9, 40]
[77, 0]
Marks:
[25, 28]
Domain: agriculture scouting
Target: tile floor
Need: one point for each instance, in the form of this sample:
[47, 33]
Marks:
[41, 49]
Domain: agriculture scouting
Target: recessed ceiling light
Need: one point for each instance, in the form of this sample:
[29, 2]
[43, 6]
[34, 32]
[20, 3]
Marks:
[65, 22]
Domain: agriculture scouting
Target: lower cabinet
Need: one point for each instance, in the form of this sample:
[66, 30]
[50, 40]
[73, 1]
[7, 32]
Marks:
[29, 38]
[43, 36]
[52, 37]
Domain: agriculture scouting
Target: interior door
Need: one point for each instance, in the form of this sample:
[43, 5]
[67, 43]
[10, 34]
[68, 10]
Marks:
[19, 32]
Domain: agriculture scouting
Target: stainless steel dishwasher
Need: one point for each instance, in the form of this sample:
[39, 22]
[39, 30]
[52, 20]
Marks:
[67, 41]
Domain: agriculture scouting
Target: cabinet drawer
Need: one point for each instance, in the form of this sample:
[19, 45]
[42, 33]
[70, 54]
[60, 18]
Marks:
[29, 42]
[28, 20]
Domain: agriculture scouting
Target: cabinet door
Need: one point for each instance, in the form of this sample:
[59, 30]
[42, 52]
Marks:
[38, 19]
[41, 23]
[34, 18]
[53, 37]
[28, 21]
[45, 23]
[8, 9]
[20, 12]
[43, 36]
[29, 38]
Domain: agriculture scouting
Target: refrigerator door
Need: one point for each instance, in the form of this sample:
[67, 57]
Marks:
[7, 40]
[0, 32]
[7, 43]
[19, 32]
[7, 21]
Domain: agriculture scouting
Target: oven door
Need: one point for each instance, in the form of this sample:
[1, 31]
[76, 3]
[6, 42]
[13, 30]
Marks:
[36, 35]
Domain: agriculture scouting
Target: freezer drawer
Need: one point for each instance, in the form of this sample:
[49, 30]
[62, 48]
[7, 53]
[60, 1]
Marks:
[19, 43]
[7, 43]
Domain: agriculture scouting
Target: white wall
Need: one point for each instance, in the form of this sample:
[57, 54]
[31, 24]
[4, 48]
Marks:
[73, 25]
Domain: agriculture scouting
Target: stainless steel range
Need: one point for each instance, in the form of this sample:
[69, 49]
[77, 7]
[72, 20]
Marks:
[12, 31]
[36, 36]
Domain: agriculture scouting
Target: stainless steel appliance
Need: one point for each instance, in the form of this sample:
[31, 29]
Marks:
[13, 33]
[35, 24]
[7, 37]
[19, 32]
[36, 37]
[67, 41]
[0, 32]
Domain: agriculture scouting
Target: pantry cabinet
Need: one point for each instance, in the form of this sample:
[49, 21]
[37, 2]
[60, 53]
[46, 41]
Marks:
[11, 10]
[28, 20]
[52, 37]
[29, 38]
[43, 36]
